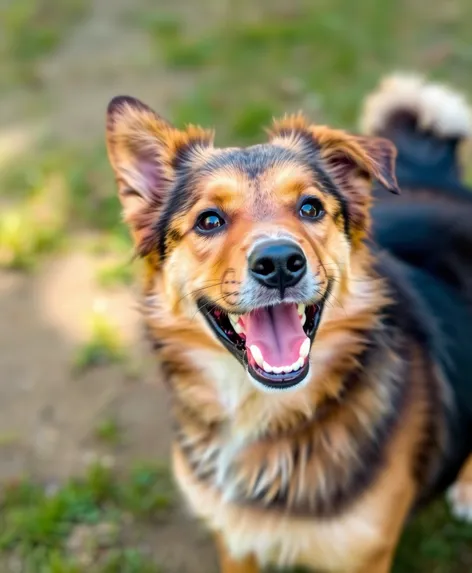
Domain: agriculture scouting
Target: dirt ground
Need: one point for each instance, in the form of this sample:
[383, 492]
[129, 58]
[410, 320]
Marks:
[48, 415]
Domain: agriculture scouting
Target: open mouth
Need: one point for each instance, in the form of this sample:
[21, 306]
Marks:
[273, 342]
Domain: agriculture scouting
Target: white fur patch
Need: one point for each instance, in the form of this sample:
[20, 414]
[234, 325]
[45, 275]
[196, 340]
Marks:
[437, 107]
[230, 378]
[459, 497]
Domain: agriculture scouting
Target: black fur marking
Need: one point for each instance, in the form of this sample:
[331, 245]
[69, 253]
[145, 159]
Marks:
[180, 194]
[253, 161]
[433, 236]
[173, 236]
[439, 318]
[179, 199]
[118, 102]
[181, 158]
[330, 187]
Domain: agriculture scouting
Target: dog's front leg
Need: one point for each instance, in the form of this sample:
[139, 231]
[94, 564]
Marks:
[230, 565]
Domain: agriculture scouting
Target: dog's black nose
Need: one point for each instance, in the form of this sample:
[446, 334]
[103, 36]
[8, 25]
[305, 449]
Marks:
[277, 264]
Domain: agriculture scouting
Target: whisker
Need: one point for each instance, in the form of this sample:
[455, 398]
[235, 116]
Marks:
[208, 285]
[324, 298]
[214, 304]
[326, 301]
[200, 289]
[338, 302]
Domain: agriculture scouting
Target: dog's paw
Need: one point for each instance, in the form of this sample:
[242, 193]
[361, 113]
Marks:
[459, 497]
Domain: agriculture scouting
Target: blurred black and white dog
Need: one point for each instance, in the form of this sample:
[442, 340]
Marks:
[428, 230]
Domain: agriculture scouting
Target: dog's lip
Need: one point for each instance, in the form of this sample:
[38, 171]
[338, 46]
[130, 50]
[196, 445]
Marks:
[270, 380]
[276, 381]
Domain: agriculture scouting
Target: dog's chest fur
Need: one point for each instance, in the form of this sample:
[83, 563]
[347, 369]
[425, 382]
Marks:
[275, 536]
[285, 499]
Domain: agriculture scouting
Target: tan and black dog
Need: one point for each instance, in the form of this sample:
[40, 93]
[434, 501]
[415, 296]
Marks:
[319, 361]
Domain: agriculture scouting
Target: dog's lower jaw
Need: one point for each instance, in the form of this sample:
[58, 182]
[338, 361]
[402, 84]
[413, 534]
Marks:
[264, 388]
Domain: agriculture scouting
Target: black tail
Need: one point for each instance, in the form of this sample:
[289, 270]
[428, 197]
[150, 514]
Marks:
[428, 225]
[427, 123]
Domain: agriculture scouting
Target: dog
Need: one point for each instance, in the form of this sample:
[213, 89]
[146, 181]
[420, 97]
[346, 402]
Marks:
[428, 124]
[315, 347]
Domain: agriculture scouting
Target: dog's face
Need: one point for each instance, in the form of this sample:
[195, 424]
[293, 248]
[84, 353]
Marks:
[252, 241]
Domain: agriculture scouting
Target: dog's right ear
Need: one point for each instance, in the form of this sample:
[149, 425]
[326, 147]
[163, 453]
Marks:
[145, 152]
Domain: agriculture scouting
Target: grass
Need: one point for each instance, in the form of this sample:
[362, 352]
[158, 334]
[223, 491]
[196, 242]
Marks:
[31, 30]
[109, 432]
[435, 543]
[115, 274]
[53, 195]
[103, 347]
[34, 226]
[323, 56]
[82, 526]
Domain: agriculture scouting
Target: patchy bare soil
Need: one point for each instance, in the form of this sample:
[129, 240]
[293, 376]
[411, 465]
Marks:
[48, 413]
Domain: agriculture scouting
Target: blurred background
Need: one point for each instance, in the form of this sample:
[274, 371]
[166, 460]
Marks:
[84, 479]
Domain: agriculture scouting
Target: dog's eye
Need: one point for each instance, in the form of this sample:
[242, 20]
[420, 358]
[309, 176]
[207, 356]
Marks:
[311, 209]
[209, 222]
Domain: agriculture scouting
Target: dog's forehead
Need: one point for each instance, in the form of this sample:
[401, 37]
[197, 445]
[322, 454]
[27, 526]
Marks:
[255, 170]
[253, 162]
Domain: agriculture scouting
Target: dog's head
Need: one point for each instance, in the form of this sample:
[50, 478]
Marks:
[246, 245]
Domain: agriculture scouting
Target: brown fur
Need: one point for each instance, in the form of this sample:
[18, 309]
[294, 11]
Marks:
[325, 476]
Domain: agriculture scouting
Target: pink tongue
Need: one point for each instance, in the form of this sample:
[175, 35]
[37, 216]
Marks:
[277, 332]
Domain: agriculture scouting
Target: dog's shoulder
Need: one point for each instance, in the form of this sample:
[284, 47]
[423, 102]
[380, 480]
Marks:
[436, 316]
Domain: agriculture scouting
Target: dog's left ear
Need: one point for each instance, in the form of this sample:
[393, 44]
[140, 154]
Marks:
[346, 154]
[351, 161]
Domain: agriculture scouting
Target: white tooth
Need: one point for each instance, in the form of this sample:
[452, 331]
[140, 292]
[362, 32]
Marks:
[238, 328]
[294, 366]
[257, 355]
[267, 367]
[305, 348]
[287, 369]
[277, 370]
[233, 319]
[301, 309]
[301, 362]
[303, 319]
